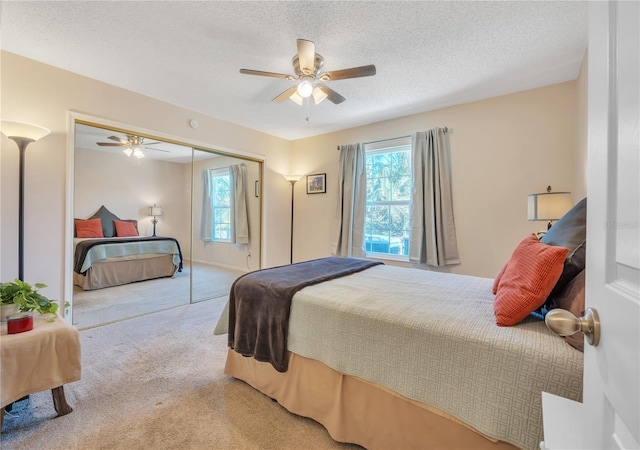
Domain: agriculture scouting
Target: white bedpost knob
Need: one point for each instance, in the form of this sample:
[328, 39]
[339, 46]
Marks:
[562, 322]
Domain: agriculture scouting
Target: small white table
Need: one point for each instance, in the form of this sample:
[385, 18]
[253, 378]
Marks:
[47, 357]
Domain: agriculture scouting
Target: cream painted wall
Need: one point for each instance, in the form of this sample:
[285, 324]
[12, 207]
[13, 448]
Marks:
[41, 94]
[127, 187]
[580, 160]
[501, 150]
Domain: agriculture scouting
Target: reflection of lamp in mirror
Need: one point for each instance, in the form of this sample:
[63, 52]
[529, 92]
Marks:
[155, 212]
[22, 134]
[293, 179]
[548, 206]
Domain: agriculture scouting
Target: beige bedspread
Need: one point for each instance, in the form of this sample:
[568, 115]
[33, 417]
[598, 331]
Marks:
[432, 337]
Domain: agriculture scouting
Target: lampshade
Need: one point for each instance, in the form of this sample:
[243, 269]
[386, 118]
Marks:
[296, 98]
[155, 211]
[138, 153]
[292, 178]
[128, 151]
[548, 205]
[318, 95]
[12, 129]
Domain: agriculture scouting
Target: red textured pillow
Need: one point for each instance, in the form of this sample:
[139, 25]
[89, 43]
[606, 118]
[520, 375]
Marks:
[496, 282]
[125, 228]
[91, 228]
[531, 274]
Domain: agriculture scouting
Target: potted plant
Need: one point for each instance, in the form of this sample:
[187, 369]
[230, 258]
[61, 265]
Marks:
[22, 297]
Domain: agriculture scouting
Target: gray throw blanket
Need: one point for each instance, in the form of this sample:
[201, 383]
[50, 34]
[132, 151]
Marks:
[260, 302]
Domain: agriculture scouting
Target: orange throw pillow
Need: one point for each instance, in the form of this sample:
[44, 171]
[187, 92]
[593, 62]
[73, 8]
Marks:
[496, 282]
[531, 274]
[91, 228]
[125, 229]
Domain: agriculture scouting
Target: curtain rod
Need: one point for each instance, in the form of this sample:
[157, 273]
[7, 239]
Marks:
[227, 167]
[445, 129]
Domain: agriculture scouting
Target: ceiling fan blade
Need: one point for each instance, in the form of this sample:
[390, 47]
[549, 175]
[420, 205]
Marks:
[116, 138]
[151, 143]
[354, 72]
[306, 56]
[286, 94]
[157, 149]
[110, 144]
[332, 95]
[266, 74]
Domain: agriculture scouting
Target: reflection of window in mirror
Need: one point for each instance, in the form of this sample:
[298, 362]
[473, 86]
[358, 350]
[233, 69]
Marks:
[221, 205]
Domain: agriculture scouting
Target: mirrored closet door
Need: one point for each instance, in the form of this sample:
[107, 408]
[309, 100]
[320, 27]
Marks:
[178, 224]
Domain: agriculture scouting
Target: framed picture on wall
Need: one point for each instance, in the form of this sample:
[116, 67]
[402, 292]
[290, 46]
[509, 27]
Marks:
[317, 184]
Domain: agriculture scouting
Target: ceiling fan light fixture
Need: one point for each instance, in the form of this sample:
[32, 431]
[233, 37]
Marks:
[296, 98]
[137, 152]
[318, 95]
[307, 65]
[305, 88]
[128, 151]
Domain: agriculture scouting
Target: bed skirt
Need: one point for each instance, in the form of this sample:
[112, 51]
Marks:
[356, 411]
[117, 271]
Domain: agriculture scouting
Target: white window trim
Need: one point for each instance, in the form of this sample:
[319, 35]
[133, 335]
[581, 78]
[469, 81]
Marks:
[219, 172]
[386, 146]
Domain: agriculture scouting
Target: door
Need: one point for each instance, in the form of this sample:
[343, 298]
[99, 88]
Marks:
[609, 417]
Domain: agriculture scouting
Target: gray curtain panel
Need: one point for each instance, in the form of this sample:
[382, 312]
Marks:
[239, 205]
[433, 231]
[348, 225]
[206, 215]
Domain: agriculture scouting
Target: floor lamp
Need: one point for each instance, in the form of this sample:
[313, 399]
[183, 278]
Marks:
[23, 134]
[293, 179]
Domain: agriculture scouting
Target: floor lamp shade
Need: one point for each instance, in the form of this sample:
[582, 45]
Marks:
[22, 134]
[22, 130]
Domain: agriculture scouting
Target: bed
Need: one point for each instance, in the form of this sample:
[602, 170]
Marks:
[390, 357]
[107, 262]
[109, 252]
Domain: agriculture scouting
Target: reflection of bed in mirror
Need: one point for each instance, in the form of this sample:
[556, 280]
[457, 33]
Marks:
[134, 259]
[109, 252]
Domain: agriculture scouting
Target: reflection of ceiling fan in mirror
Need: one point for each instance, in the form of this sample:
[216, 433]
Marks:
[133, 145]
[307, 65]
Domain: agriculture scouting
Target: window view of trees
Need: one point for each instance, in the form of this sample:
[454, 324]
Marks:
[221, 205]
[387, 215]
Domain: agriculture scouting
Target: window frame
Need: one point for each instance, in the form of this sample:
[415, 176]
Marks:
[218, 173]
[382, 147]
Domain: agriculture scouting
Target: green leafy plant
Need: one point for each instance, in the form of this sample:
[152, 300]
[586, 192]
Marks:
[27, 298]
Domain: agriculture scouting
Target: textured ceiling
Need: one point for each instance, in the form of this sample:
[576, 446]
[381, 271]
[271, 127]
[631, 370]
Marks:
[428, 54]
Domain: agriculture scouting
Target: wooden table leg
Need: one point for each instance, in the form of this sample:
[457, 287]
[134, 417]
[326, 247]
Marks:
[60, 402]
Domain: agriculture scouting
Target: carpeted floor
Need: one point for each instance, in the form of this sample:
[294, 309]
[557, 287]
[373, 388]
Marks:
[103, 306]
[157, 382]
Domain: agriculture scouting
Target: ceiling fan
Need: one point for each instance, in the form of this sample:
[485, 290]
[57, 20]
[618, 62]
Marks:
[307, 65]
[133, 145]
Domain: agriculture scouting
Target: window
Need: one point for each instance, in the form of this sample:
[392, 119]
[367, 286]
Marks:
[388, 204]
[221, 204]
